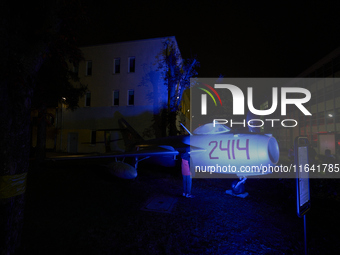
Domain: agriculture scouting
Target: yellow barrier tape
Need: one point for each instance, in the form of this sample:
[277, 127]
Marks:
[12, 185]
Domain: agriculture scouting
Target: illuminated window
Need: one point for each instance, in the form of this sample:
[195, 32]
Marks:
[116, 97]
[116, 65]
[132, 61]
[88, 99]
[88, 67]
[131, 97]
[330, 117]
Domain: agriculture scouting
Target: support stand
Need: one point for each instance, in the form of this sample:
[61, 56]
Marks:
[305, 233]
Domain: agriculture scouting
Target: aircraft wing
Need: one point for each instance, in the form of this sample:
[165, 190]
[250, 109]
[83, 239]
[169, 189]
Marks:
[162, 154]
[159, 151]
[195, 149]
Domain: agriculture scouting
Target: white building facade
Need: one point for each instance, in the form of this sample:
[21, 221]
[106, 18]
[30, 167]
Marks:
[123, 81]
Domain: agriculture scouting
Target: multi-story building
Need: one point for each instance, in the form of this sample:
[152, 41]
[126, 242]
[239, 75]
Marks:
[123, 80]
[322, 128]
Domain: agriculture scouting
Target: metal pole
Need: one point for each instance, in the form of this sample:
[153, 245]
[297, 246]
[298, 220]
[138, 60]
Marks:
[305, 233]
[61, 128]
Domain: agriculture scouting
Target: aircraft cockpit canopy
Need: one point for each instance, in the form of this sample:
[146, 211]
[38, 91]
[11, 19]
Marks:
[209, 129]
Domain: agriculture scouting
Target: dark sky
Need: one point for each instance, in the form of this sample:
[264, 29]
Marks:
[237, 39]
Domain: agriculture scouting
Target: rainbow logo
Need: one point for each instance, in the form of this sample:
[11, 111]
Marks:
[204, 98]
[213, 90]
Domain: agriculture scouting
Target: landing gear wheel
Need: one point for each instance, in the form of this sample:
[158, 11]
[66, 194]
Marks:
[237, 189]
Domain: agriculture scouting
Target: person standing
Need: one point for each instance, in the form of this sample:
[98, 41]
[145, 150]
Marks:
[187, 182]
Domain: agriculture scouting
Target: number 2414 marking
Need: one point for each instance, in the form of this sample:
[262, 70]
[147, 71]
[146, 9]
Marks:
[230, 148]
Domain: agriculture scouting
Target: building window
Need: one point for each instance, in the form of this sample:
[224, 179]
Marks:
[116, 65]
[131, 97]
[116, 97]
[337, 115]
[88, 99]
[321, 118]
[88, 67]
[330, 117]
[93, 137]
[132, 61]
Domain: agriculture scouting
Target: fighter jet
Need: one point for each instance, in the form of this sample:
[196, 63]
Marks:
[213, 148]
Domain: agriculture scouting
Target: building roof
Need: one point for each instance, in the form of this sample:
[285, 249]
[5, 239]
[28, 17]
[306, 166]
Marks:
[328, 58]
[133, 41]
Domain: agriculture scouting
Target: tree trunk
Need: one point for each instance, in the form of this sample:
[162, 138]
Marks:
[41, 136]
[14, 161]
[172, 109]
[172, 123]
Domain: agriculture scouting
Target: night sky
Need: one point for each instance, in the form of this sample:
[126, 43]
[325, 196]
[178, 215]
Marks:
[233, 39]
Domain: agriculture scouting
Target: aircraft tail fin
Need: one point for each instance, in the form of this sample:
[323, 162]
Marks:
[130, 136]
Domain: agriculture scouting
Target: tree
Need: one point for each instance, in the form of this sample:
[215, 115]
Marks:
[30, 33]
[55, 81]
[176, 74]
